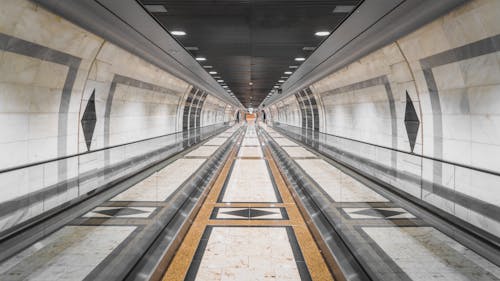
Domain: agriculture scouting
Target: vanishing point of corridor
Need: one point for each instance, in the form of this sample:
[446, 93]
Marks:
[255, 140]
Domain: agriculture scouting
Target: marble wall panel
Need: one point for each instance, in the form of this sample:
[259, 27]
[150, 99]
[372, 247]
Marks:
[49, 69]
[450, 68]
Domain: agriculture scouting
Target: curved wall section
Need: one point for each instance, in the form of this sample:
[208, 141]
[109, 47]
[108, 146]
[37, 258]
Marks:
[65, 91]
[433, 93]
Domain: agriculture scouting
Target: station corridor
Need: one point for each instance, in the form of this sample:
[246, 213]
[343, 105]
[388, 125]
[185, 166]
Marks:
[259, 140]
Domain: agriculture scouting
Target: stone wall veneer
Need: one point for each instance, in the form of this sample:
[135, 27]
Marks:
[65, 91]
[450, 70]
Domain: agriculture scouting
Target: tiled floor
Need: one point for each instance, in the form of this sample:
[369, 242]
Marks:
[250, 151]
[424, 253]
[393, 243]
[203, 151]
[248, 253]
[68, 254]
[163, 183]
[241, 233]
[90, 243]
[298, 152]
[216, 141]
[268, 213]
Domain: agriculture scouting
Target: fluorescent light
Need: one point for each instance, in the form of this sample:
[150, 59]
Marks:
[322, 33]
[213, 72]
[309, 48]
[156, 8]
[201, 59]
[207, 66]
[293, 66]
[281, 81]
[220, 81]
[193, 48]
[300, 59]
[178, 32]
[288, 72]
[224, 86]
[276, 87]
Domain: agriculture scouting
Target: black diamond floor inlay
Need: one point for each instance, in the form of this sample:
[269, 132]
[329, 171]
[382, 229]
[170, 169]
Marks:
[378, 213]
[116, 212]
[89, 119]
[411, 122]
[249, 213]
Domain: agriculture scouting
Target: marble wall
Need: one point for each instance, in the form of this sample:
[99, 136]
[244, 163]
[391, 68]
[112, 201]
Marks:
[65, 91]
[434, 92]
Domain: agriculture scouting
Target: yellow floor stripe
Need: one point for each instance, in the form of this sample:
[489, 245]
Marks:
[315, 262]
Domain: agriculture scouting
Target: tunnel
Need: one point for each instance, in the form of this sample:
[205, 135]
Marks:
[200, 140]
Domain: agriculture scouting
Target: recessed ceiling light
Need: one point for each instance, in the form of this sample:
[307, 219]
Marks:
[201, 59]
[213, 72]
[343, 9]
[156, 8]
[300, 59]
[276, 87]
[207, 66]
[322, 33]
[192, 48]
[284, 77]
[225, 86]
[250, 83]
[288, 72]
[293, 66]
[220, 81]
[178, 32]
[281, 81]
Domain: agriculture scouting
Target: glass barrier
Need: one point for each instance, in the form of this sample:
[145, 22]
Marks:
[463, 192]
[32, 190]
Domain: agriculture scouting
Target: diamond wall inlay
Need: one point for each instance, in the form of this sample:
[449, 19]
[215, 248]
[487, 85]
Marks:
[89, 119]
[411, 122]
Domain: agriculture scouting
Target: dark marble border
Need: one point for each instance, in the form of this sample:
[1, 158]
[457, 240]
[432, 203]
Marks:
[124, 80]
[471, 50]
[22, 47]
[215, 212]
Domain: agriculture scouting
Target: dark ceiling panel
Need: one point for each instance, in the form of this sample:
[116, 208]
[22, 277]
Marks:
[252, 41]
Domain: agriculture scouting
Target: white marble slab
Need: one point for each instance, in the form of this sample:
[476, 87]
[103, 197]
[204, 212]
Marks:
[163, 183]
[250, 151]
[68, 254]
[426, 254]
[249, 182]
[298, 152]
[248, 253]
[250, 142]
[203, 151]
[276, 135]
[216, 141]
[285, 142]
[339, 186]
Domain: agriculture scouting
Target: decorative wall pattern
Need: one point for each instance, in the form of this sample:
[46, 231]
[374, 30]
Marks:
[65, 91]
[435, 93]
